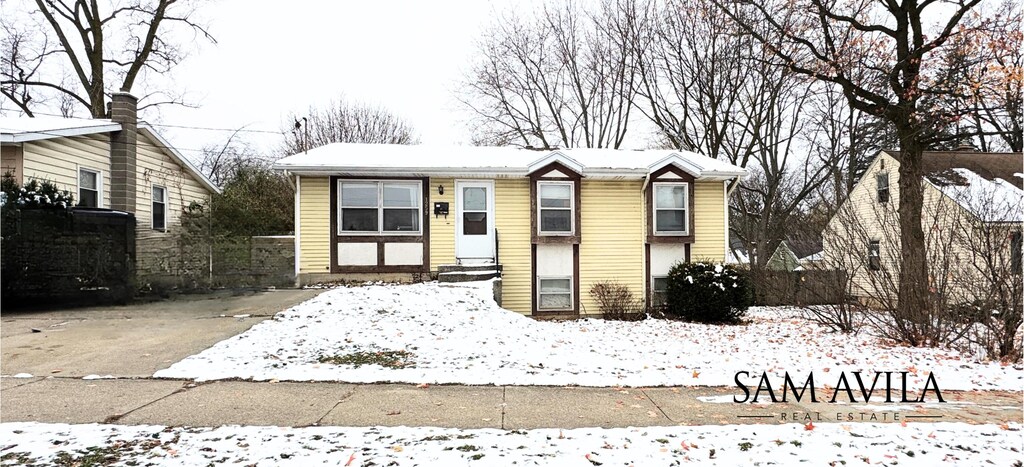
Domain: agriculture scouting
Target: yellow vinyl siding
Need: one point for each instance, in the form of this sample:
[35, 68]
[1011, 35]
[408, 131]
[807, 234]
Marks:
[512, 220]
[709, 222]
[442, 230]
[314, 224]
[58, 160]
[612, 249]
[153, 166]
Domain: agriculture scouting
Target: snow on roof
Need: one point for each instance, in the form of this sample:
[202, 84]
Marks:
[371, 159]
[21, 129]
[736, 257]
[814, 257]
[993, 200]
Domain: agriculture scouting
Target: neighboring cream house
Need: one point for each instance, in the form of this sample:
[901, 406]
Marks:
[116, 163]
[966, 193]
[551, 223]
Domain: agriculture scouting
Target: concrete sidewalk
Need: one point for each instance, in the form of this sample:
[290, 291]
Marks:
[175, 402]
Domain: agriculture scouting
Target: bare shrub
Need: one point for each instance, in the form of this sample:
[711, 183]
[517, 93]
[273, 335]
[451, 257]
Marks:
[617, 302]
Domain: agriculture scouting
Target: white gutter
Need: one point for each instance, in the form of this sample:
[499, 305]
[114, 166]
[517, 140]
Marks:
[13, 136]
[597, 172]
[726, 189]
[728, 193]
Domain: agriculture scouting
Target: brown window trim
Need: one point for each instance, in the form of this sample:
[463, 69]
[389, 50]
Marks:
[649, 278]
[380, 240]
[576, 179]
[658, 176]
[534, 282]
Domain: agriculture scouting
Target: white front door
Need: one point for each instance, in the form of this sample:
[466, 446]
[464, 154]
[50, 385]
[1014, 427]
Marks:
[474, 221]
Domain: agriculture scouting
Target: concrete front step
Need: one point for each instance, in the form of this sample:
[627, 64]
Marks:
[444, 268]
[468, 276]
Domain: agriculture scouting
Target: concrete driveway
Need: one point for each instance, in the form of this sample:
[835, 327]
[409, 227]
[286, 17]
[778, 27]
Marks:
[133, 340]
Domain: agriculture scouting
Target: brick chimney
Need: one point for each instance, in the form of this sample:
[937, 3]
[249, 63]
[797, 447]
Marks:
[123, 110]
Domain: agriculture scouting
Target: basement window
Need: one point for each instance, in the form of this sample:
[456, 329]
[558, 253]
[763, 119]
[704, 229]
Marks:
[659, 291]
[89, 188]
[379, 207]
[554, 293]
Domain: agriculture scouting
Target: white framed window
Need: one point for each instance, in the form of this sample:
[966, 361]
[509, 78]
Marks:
[159, 214]
[554, 293]
[555, 208]
[90, 188]
[659, 290]
[671, 203]
[379, 207]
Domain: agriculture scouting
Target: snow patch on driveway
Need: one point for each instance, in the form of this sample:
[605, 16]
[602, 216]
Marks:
[456, 334]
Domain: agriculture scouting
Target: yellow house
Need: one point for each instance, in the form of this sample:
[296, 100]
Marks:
[114, 163]
[551, 223]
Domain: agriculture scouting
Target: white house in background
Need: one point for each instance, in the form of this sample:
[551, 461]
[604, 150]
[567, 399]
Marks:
[960, 188]
[117, 163]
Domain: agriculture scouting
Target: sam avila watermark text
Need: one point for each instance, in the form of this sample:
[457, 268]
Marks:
[887, 387]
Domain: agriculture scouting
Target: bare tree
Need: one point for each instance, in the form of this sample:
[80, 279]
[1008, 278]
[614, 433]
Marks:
[846, 136]
[882, 54]
[220, 162]
[988, 69]
[340, 121]
[973, 255]
[985, 273]
[694, 75]
[108, 47]
[564, 77]
[704, 85]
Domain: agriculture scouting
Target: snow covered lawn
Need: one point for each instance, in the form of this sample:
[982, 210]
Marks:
[433, 333]
[792, 444]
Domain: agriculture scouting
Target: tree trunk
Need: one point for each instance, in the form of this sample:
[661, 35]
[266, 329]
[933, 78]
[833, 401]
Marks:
[913, 276]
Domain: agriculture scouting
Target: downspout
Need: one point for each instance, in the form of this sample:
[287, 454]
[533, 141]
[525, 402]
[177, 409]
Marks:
[298, 232]
[729, 189]
[209, 246]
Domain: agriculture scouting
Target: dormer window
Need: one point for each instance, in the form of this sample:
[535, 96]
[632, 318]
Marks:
[555, 208]
[670, 209]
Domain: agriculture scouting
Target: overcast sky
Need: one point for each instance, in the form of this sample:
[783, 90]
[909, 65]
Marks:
[271, 59]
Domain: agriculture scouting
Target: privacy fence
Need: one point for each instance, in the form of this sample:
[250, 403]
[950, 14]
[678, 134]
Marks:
[53, 256]
[798, 288]
[200, 261]
[86, 256]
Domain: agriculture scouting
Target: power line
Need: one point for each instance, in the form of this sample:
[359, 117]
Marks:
[239, 130]
[189, 127]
